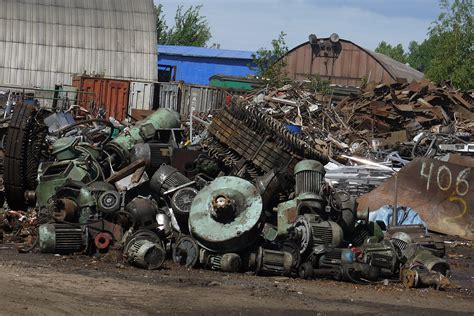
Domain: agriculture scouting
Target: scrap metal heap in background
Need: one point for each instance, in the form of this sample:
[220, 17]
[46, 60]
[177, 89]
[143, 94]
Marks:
[387, 124]
[251, 196]
[382, 120]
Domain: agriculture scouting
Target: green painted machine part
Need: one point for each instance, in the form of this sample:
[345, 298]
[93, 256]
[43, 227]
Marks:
[77, 163]
[287, 214]
[69, 148]
[74, 201]
[143, 131]
[310, 231]
[270, 232]
[63, 148]
[226, 215]
[309, 177]
[61, 238]
[53, 176]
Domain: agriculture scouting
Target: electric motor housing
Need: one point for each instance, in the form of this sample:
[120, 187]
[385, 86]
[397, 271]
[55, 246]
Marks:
[226, 215]
[121, 146]
[383, 255]
[143, 211]
[309, 177]
[327, 233]
[182, 200]
[144, 249]
[167, 178]
[109, 202]
[186, 252]
[227, 262]
[271, 262]
[61, 238]
[154, 155]
[145, 254]
[309, 231]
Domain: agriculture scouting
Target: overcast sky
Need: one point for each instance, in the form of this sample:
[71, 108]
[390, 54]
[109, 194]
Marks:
[251, 24]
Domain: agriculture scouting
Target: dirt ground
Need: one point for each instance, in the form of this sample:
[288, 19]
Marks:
[57, 285]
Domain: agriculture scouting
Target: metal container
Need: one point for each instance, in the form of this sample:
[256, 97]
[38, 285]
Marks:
[182, 98]
[169, 95]
[141, 96]
[110, 95]
[201, 99]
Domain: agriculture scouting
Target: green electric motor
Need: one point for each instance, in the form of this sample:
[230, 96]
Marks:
[61, 238]
[226, 215]
[120, 147]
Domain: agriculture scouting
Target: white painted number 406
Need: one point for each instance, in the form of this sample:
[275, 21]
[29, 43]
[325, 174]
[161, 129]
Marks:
[443, 178]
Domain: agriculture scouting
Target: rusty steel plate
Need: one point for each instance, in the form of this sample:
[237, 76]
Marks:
[441, 192]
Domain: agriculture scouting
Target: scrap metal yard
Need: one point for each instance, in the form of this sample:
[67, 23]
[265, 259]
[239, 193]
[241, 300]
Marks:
[326, 179]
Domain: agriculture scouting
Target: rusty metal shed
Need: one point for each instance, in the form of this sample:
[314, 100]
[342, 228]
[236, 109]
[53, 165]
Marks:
[46, 42]
[345, 63]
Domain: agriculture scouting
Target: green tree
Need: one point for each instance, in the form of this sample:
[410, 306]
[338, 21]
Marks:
[396, 52]
[453, 49]
[270, 63]
[161, 27]
[421, 55]
[191, 28]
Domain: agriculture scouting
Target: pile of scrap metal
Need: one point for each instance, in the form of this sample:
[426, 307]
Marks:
[251, 197]
[376, 132]
[436, 119]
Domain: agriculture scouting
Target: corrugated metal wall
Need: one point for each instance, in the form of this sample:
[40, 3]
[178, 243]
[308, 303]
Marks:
[45, 42]
[182, 97]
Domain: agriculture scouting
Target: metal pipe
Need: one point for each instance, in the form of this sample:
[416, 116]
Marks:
[395, 207]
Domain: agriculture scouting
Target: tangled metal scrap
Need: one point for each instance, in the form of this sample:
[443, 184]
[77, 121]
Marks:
[386, 125]
[411, 120]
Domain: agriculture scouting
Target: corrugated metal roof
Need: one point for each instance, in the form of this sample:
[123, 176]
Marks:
[396, 68]
[45, 42]
[192, 51]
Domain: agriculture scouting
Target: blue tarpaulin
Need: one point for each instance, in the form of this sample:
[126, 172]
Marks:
[406, 216]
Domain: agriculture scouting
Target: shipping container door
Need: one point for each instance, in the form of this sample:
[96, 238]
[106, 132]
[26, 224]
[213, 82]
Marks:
[141, 96]
[169, 95]
[92, 100]
[116, 99]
